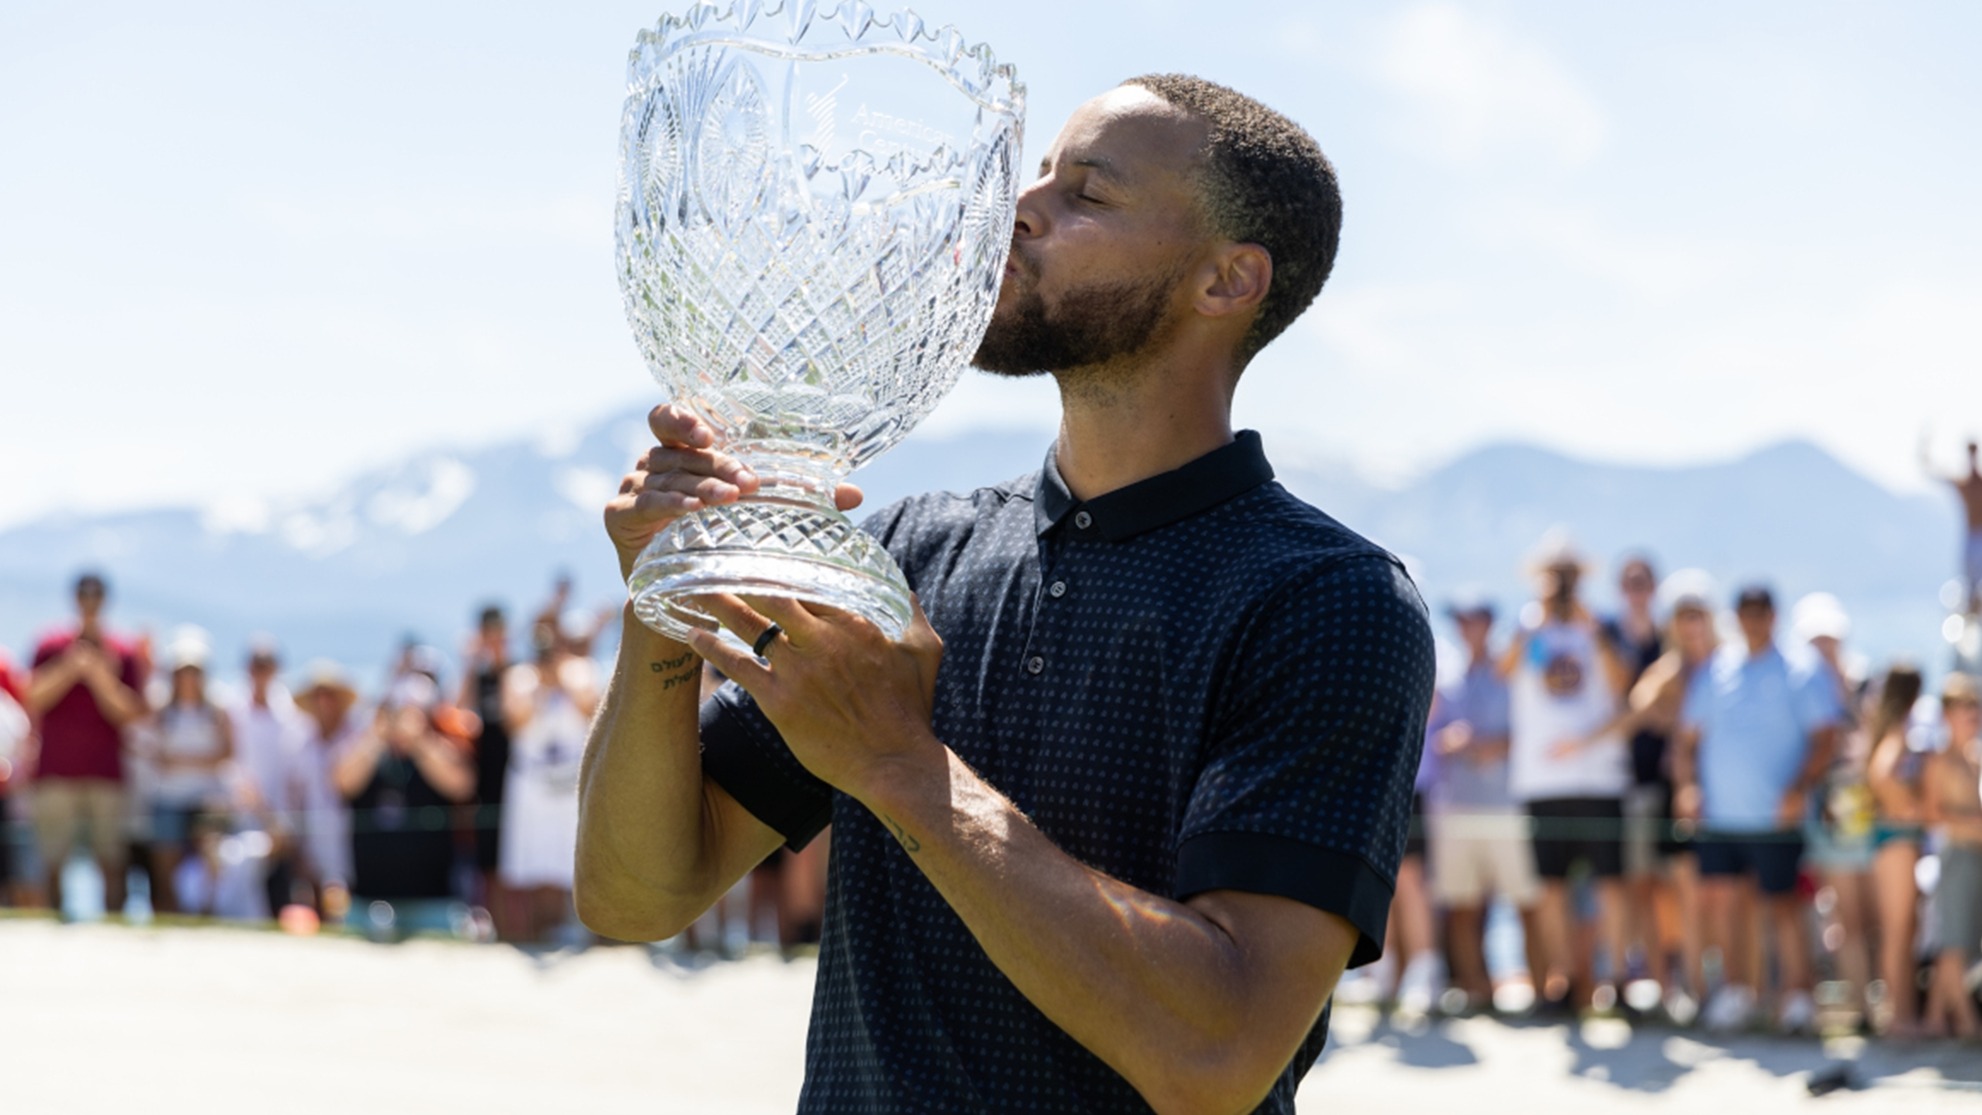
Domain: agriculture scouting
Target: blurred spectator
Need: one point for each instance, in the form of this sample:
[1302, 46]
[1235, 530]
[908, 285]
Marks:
[84, 690]
[1636, 641]
[401, 779]
[1837, 831]
[579, 630]
[14, 743]
[483, 666]
[1656, 702]
[1758, 732]
[547, 705]
[1893, 774]
[1954, 807]
[328, 702]
[1412, 933]
[268, 741]
[1967, 486]
[222, 874]
[1477, 838]
[1569, 767]
[190, 742]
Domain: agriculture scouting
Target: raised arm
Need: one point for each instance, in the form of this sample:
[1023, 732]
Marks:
[658, 843]
[52, 680]
[101, 672]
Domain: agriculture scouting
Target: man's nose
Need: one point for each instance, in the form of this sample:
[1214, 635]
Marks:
[1029, 219]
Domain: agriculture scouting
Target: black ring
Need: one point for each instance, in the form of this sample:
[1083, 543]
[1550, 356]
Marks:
[764, 641]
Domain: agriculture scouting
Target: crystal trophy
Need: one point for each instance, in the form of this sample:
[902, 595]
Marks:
[815, 206]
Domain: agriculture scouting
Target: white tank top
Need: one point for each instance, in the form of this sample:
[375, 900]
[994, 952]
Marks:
[188, 732]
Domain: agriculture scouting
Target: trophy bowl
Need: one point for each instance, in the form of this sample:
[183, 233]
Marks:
[815, 206]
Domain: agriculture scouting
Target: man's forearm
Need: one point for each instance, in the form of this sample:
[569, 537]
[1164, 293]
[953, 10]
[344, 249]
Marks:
[119, 703]
[1154, 987]
[1817, 760]
[647, 862]
[48, 684]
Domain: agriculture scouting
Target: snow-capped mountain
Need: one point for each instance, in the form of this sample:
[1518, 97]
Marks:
[413, 549]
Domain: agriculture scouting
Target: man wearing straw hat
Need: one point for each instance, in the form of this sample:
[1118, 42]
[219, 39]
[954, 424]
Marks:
[327, 702]
[1112, 816]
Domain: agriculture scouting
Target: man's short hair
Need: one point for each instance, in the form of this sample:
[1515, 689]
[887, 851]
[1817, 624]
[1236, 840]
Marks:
[91, 582]
[1263, 180]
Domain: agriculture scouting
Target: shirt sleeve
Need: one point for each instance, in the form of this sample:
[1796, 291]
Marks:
[1817, 703]
[746, 756]
[1306, 792]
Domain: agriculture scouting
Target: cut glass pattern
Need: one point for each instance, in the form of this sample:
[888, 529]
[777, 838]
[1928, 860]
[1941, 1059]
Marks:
[814, 211]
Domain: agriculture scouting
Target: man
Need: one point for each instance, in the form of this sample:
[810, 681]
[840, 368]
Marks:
[1756, 735]
[1968, 488]
[83, 691]
[328, 702]
[1478, 836]
[1568, 765]
[483, 663]
[268, 745]
[1113, 814]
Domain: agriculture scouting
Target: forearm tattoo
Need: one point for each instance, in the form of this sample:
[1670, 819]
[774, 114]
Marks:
[908, 842]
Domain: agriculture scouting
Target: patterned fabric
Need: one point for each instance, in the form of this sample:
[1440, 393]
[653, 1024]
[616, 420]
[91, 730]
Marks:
[1194, 683]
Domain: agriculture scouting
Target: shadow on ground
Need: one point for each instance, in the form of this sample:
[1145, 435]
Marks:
[1652, 1059]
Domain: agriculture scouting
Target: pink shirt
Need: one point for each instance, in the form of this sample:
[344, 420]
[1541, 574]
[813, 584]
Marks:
[77, 739]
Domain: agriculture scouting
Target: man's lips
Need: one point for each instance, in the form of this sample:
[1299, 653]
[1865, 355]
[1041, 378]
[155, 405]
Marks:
[1015, 264]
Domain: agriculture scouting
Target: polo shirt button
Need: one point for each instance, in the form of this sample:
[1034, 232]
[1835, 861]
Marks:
[1058, 588]
[1035, 664]
[1083, 520]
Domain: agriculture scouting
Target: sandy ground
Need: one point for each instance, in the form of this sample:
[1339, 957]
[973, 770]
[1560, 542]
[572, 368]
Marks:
[212, 1020]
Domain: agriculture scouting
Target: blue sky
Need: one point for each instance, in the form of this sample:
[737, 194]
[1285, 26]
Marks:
[248, 249]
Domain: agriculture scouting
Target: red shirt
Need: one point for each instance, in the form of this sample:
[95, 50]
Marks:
[77, 739]
[13, 686]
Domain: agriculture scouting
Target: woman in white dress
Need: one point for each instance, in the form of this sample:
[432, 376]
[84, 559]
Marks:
[547, 706]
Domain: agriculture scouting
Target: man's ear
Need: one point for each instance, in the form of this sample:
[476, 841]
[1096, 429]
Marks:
[1240, 275]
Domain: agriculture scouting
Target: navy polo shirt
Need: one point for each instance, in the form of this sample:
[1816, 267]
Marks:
[1196, 682]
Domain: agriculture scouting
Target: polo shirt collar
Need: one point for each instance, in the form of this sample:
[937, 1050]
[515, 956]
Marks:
[1222, 474]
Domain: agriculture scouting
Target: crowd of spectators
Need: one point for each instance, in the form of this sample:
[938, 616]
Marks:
[427, 808]
[1690, 813]
[1676, 809]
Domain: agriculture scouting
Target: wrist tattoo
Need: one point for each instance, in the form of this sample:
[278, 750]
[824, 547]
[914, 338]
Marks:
[683, 676]
[908, 842]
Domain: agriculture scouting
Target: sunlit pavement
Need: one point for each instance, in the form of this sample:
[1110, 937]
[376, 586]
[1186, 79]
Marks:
[212, 1020]
[1477, 1066]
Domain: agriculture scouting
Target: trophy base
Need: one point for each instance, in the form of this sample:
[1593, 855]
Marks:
[757, 547]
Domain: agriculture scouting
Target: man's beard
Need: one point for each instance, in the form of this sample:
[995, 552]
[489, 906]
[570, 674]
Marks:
[1090, 326]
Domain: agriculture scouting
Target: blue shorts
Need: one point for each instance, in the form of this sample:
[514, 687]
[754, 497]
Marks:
[1771, 858]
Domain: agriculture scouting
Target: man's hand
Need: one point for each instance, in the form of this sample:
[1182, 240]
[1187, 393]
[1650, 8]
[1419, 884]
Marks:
[1789, 811]
[1686, 804]
[684, 473]
[1453, 738]
[849, 702]
[84, 661]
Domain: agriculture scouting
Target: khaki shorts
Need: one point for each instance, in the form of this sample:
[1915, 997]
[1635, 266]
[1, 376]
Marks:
[64, 807]
[1473, 855]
